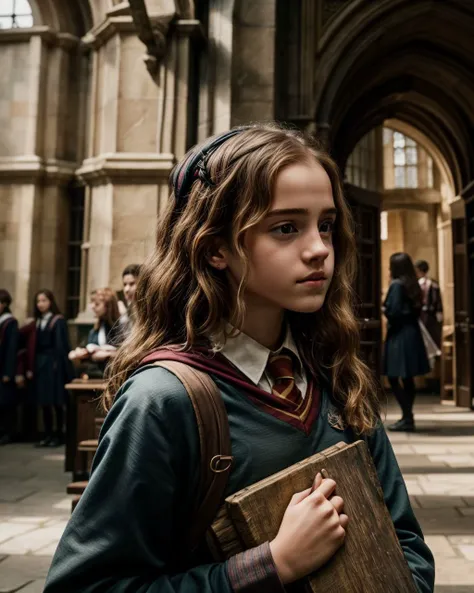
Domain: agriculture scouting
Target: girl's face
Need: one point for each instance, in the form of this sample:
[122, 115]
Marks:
[291, 253]
[2, 307]
[98, 307]
[129, 287]
[43, 303]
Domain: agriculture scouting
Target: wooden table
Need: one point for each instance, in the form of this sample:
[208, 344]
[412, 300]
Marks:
[84, 406]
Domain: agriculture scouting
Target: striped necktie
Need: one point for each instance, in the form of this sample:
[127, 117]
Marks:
[280, 368]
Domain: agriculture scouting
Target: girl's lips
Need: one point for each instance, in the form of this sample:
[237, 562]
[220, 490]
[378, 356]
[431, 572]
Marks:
[313, 278]
[316, 283]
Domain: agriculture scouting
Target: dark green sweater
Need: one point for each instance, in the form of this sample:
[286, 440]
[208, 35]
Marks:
[123, 536]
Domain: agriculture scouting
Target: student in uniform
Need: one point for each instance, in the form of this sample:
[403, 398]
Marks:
[105, 336]
[52, 369]
[9, 338]
[432, 310]
[126, 306]
[405, 354]
[250, 279]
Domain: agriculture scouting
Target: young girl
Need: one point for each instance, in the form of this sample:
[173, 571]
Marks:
[405, 352]
[9, 337]
[104, 337]
[52, 369]
[251, 278]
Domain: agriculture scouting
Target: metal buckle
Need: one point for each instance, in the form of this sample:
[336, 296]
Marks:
[216, 460]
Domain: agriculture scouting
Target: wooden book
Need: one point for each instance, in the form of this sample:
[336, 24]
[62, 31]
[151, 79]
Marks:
[371, 559]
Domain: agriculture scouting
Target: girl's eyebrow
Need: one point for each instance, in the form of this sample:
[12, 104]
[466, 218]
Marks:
[300, 211]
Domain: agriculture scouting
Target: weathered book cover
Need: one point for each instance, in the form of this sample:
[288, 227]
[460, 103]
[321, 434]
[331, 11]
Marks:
[371, 559]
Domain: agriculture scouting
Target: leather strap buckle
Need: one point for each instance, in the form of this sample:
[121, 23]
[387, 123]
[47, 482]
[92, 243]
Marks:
[217, 460]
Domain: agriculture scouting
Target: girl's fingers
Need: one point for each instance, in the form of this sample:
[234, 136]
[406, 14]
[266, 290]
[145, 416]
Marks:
[344, 520]
[337, 503]
[299, 496]
[318, 480]
[327, 487]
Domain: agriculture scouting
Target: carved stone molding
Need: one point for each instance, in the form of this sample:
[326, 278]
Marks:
[47, 34]
[34, 169]
[99, 35]
[154, 30]
[126, 168]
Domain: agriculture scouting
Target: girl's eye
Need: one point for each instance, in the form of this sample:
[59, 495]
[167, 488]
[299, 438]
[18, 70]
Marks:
[327, 227]
[285, 229]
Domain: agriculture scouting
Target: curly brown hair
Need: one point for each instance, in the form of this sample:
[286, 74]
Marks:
[112, 314]
[183, 301]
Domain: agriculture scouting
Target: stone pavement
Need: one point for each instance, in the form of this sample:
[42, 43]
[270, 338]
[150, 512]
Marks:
[437, 462]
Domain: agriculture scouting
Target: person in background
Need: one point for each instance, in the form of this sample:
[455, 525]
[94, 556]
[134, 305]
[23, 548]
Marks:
[126, 306]
[432, 310]
[52, 369]
[105, 336]
[9, 337]
[405, 354]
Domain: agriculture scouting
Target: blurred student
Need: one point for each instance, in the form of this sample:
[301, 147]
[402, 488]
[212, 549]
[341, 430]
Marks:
[9, 337]
[105, 336]
[405, 353]
[432, 310]
[52, 369]
[127, 304]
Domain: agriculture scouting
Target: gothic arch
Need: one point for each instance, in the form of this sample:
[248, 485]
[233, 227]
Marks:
[75, 18]
[398, 59]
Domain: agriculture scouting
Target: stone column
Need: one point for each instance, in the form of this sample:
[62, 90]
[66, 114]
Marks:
[35, 164]
[138, 128]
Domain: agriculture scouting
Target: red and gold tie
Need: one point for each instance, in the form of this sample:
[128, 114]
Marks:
[280, 367]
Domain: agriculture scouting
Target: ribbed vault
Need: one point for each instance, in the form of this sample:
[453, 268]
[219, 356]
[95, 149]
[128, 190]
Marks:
[402, 59]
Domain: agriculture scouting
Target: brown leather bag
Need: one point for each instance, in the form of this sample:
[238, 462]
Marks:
[214, 441]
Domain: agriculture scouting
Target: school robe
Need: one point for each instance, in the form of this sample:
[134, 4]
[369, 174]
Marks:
[404, 353]
[9, 336]
[125, 535]
[53, 369]
[432, 307]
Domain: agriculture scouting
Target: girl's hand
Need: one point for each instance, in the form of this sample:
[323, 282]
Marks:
[100, 355]
[5, 379]
[311, 532]
[78, 354]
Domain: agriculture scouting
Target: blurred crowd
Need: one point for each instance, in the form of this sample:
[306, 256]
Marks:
[37, 361]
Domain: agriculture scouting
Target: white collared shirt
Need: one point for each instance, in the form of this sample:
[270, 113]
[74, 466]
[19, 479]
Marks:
[42, 322]
[4, 317]
[251, 359]
[102, 335]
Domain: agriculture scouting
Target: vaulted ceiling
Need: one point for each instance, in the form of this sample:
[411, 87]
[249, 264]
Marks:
[406, 59]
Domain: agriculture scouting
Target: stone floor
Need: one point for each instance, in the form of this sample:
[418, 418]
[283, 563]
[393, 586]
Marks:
[437, 462]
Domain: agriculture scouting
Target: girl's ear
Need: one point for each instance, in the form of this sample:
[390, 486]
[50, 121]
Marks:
[217, 256]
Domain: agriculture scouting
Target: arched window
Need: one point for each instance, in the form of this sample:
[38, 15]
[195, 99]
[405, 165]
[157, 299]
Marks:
[405, 160]
[15, 14]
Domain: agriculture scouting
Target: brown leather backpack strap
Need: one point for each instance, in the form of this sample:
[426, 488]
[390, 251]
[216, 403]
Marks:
[215, 445]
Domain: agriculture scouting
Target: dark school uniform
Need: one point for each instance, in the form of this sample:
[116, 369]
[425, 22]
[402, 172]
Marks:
[112, 335]
[432, 311]
[404, 353]
[9, 338]
[53, 369]
[126, 534]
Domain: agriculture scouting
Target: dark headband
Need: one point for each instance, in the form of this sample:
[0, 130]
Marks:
[195, 165]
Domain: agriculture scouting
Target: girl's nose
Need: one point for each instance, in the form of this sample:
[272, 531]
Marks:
[315, 248]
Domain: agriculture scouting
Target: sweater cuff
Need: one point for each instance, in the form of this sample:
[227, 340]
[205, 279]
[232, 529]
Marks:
[254, 571]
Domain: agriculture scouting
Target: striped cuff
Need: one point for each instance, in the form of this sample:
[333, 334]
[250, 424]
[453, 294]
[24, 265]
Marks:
[254, 571]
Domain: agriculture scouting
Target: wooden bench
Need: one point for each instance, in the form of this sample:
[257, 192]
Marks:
[83, 422]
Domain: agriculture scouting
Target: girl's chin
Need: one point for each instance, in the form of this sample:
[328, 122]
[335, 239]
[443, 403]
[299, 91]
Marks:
[310, 306]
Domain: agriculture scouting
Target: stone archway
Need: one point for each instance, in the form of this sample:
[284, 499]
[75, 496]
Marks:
[398, 59]
[410, 61]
